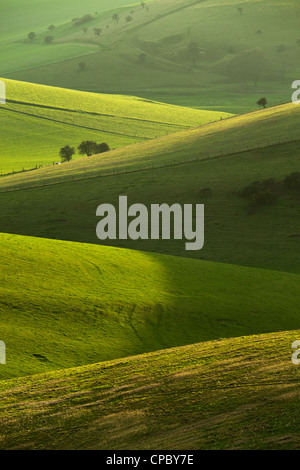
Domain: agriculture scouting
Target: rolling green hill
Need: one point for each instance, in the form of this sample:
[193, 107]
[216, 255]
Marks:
[38, 120]
[240, 393]
[118, 344]
[226, 136]
[67, 210]
[191, 52]
[19, 53]
[66, 304]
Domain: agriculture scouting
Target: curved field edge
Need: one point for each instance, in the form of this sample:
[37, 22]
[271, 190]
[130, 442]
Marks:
[238, 393]
[66, 304]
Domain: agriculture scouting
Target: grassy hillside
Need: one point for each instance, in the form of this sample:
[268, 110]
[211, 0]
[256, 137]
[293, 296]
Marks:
[38, 120]
[240, 393]
[19, 53]
[191, 52]
[65, 304]
[227, 136]
[67, 210]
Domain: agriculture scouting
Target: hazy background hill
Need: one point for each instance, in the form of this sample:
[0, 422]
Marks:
[207, 54]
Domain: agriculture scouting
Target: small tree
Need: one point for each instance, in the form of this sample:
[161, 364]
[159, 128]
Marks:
[66, 153]
[128, 18]
[97, 31]
[31, 36]
[262, 102]
[240, 10]
[101, 148]
[87, 147]
[116, 17]
[51, 27]
[48, 39]
[81, 65]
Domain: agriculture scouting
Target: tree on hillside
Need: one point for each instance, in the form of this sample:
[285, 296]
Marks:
[48, 39]
[87, 147]
[262, 102]
[31, 36]
[193, 52]
[116, 17]
[101, 148]
[51, 27]
[66, 153]
[240, 10]
[128, 18]
[81, 65]
[85, 30]
[143, 5]
[97, 31]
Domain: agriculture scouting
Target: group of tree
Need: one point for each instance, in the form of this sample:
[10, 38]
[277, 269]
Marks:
[87, 147]
[143, 5]
[48, 39]
[83, 19]
[266, 192]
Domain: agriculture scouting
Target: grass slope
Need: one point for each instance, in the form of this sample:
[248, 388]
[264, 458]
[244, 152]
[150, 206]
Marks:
[135, 302]
[38, 120]
[18, 53]
[67, 210]
[168, 71]
[226, 136]
[240, 393]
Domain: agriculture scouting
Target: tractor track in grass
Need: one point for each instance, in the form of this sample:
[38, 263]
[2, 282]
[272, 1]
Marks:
[76, 125]
[90, 113]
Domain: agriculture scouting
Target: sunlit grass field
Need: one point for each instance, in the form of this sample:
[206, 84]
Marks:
[66, 304]
[239, 393]
[38, 120]
[226, 136]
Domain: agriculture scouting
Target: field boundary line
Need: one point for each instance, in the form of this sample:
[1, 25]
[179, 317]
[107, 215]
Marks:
[170, 164]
